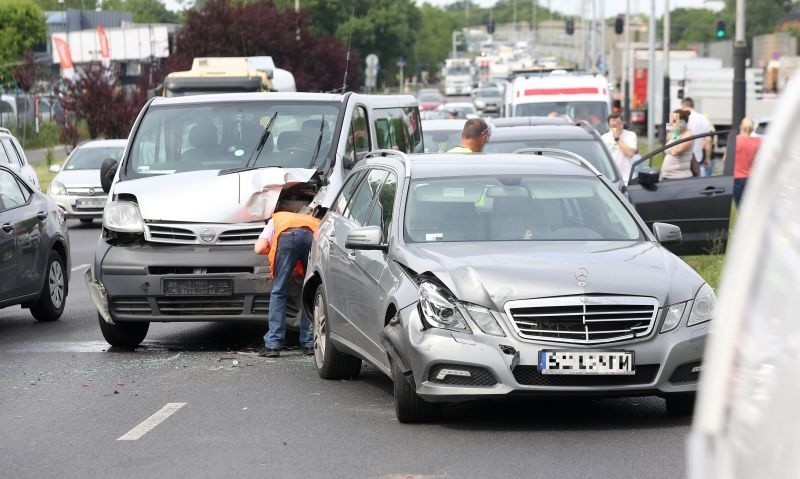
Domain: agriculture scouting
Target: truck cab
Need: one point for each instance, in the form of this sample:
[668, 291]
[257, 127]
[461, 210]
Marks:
[217, 75]
[201, 175]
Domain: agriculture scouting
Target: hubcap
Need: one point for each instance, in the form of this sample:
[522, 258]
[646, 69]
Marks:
[56, 284]
[320, 324]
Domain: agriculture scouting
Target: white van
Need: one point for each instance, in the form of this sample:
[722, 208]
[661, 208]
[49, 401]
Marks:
[579, 96]
[198, 179]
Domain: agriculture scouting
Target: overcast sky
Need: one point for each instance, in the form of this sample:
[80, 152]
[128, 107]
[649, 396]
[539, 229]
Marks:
[573, 7]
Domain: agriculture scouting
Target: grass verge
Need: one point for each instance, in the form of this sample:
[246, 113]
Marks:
[45, 175]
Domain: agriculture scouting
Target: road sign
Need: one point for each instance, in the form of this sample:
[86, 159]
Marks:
[372, 60]
[400, 63]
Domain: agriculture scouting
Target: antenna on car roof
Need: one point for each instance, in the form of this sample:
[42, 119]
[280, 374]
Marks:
[349, 42]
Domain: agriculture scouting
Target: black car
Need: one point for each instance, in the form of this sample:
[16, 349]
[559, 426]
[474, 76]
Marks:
[34, 249]
[699, 206]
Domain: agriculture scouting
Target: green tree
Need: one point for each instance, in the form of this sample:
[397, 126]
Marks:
[763, 16]
[21, 28]
[54, 5]
[694, 25]
[388, 29]
[144, 11]
[433, 38]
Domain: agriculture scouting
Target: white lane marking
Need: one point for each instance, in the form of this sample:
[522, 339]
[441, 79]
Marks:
[148, 424]
[80, 266]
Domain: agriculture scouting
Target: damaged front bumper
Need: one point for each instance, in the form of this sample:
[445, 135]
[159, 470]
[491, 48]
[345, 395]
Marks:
[450, 366]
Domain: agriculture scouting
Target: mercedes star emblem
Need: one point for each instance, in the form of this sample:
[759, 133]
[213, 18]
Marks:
[581, 274]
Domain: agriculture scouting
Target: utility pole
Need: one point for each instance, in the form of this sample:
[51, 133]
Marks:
[584, 39]
[626, 64]
[665, 102]
[516, 38]
[534, 25]
[651, 80]
[739, 84]
[603, 30]
[297, 20]
[593, 37]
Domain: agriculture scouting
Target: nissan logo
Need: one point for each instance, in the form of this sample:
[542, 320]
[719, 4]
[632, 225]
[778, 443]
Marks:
[91, 191]
[207, 235]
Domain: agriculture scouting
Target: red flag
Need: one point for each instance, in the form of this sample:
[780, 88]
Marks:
[105, 51]
[64, 58]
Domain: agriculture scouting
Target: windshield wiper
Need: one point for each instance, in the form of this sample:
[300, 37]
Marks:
[319, 142]
[261, 142]
[250, 165]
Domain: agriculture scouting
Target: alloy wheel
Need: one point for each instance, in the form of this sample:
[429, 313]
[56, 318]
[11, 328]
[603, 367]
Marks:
[56, 284]
[320, 325]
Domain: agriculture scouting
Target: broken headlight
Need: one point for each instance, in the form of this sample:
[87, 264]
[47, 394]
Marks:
[123, 217]
[440, 310]
[703, 307]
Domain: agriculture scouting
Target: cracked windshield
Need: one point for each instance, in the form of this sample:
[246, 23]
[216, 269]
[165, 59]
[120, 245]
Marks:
[221, 136]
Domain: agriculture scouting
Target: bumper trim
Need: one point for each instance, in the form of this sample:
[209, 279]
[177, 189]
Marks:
[98, 295]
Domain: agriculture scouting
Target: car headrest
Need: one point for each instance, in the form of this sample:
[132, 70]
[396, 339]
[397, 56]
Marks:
[203, 135]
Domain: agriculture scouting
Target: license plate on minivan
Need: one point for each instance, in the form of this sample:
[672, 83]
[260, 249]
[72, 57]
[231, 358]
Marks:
[586, 362]
[198, 287]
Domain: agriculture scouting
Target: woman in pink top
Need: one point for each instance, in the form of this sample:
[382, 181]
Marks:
[746, 149]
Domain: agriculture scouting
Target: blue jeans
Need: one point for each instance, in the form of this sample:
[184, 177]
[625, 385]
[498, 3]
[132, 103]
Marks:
[293, 245]
[707, 171]
[738, 190]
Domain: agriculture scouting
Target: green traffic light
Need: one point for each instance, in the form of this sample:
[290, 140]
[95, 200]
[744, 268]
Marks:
[720, 33]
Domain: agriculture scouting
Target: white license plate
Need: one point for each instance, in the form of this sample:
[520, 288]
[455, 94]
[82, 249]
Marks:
[586, 362]
[90, 203]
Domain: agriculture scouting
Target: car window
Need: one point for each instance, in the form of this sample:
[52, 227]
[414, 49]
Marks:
[26, 192]
[346, 194]
[592, 150]
[398, 129]
[358, 138]
[358, 209]
[12, 151]
[4, 159]
[11, 192]
[527, 208]
[382, 209]
[90, 158]
[439, 141]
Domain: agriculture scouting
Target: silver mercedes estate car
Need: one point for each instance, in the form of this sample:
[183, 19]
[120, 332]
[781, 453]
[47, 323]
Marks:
[465, 277]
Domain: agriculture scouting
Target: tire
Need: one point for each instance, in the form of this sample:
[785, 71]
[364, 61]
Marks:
[409, 407]
[87, 221]
[50, 304]
[680, 404]
[124, 335]
[331, 363]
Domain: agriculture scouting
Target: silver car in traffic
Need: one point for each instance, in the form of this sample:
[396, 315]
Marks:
[482, 276]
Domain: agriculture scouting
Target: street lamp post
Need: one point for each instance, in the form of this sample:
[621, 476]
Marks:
[665, 102]
[651, 80]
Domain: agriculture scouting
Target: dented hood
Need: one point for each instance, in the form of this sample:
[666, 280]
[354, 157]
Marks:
[490, 274]
[208, 197]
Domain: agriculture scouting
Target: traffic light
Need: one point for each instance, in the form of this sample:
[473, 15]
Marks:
[490, 27]
[619, 25]
[720, 28]
[570, 26]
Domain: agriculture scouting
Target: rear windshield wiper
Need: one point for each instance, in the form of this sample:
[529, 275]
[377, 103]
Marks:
[319, 142]
[250, 165]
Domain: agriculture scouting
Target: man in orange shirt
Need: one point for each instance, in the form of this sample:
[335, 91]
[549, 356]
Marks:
[287, 240]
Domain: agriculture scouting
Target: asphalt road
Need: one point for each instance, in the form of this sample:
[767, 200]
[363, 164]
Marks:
[67, 400]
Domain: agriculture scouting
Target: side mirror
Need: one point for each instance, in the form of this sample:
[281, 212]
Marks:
[54, 168]
[648, 176]
[108, 169]
[365, 238]
[667, 234]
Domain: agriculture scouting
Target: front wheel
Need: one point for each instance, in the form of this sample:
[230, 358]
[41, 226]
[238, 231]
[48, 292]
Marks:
[124, 335]
[409, 407]
[330, 362]
[50, 304]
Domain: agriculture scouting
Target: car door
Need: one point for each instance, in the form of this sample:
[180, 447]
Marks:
[334, 259]
[372, 266]
[700, 206]
[356, 291]
[21, 234]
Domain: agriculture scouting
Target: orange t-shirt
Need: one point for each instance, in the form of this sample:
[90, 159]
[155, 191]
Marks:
[746, 149]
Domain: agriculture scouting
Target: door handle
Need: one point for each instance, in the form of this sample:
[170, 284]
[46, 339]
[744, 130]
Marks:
[8, 228]
[712, 190]
[351, 253]
[42, 215]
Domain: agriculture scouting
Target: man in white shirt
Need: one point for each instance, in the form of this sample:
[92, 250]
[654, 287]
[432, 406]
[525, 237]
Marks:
[699, 124]
[621, 143]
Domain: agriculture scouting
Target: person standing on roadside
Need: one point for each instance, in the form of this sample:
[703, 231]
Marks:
[287, 240]
[474, 137]
[678, 160]
[621, 143]
[699, 124]
[746, 148]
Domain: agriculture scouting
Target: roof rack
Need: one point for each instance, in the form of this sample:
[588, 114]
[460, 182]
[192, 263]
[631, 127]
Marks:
[386, 152]
[5, 130]
[561, 154]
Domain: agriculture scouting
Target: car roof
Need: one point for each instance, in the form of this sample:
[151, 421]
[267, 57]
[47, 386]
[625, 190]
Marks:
[443, 124]
[449, 165]
[566, 131]
[374, 100]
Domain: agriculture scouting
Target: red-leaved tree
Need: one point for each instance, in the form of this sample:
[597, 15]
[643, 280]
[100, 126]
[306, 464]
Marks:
[222, 28]
[97, 97]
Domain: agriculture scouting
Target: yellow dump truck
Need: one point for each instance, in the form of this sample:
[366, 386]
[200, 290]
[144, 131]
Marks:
[217, 75]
